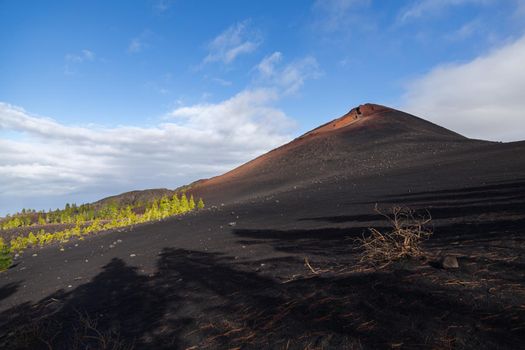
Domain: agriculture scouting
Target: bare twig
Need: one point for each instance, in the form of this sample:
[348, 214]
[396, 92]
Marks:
[307, 264]
[408, 230]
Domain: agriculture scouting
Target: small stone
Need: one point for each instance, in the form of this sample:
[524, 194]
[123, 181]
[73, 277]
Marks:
[87, 260]
[233, 223]
[119, 241]
[35, 254]
[132, 255]
[61, 249]
[111, 246]
[449, 262]
[70, 286]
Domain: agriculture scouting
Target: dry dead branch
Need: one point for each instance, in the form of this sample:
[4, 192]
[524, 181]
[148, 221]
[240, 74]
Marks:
[408, 230]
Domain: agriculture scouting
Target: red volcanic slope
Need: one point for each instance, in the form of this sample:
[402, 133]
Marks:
[368, 139]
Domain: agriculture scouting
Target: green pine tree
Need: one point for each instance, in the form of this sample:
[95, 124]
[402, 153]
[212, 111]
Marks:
[184, 205]
[200, 204]
[175, 205]
[41, 220]
[5, 255]
[165, 206]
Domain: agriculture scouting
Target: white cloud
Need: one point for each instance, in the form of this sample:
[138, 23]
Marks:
[466, 31]
[237, 40]
[335, 15]
[422, 8]
[288, 78]
[135, 45]
[267, 66]
[482, 98]
[84, 55]
[140, 42]
[162, 5]
[519, 12]
[73, 59]
[222, 82]
[48, 158]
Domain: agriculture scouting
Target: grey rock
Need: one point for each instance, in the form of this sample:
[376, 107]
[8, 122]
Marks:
[449, 262]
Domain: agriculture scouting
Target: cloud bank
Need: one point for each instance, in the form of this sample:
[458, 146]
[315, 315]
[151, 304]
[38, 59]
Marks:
[482, 98]
[42, 157]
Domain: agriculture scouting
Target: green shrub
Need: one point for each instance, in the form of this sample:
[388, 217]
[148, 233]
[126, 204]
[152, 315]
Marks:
[5, 256]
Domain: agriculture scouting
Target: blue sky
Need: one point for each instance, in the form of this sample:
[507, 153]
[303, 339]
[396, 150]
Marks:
[100, 97]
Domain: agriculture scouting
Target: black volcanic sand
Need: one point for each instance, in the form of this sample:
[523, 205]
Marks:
[233, 276]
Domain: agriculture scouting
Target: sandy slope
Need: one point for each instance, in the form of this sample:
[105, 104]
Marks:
[233, 276]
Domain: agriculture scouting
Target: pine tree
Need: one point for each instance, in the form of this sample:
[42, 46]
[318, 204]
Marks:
[200, 204]
[184, 205]
[191, 204]
[32, 238]
[175, 204]
[165, 206]
[153, 212]
[5, 256]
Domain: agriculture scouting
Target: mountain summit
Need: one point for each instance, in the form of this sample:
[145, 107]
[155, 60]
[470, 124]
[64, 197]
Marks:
[368, 140]
[376, 117]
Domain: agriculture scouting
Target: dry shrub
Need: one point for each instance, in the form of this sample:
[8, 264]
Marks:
[50, 333]
[89, 335]
[407, 231]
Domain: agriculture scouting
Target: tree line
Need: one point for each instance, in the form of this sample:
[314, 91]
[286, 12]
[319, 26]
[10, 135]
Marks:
[86, 218]
[73, 214]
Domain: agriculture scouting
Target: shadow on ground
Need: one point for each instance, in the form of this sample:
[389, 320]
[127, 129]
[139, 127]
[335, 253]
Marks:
[209, 301]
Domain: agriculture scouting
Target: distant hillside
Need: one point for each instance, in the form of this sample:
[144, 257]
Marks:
[135, 197]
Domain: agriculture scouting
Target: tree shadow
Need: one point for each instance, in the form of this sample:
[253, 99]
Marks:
[8, 290]
[232, 307]
[208, 300]
[113, 310]
[337, 219]
[321, 242]
[485, 213]
[504, 198]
